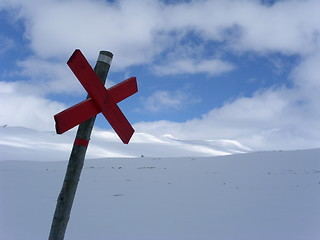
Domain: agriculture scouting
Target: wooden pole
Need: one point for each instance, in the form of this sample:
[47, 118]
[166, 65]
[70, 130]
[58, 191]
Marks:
[76, 161]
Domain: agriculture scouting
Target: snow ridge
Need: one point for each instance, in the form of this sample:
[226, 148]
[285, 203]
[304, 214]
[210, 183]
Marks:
[18, 143]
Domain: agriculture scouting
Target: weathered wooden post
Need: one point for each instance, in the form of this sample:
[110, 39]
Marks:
[76, 161]
[84, 113]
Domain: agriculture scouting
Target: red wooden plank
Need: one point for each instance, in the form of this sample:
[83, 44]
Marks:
[123, 90]
[118, 122]
[88, 78]
[75, 115]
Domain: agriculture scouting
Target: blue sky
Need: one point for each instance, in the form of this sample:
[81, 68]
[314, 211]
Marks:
[244, 70]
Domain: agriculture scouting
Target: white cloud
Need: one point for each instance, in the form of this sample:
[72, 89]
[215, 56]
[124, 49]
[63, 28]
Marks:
[279, 118]
[49, 76]
[271, 119]
[306, 75]
[55, 28]
[164, 100]
[190, 66]
[137, 31]
[19, 108]
[289, 27]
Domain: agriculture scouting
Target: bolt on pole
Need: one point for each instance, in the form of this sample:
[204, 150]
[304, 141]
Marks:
[76, 161]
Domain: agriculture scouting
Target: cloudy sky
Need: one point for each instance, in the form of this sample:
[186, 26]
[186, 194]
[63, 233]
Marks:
[245, 70]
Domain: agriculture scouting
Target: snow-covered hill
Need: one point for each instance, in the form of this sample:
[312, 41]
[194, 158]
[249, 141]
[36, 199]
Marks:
[264, 195]
[26, 144]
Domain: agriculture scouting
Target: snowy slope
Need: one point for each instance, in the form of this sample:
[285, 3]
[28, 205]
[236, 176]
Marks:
[26, 144]
[264, 195]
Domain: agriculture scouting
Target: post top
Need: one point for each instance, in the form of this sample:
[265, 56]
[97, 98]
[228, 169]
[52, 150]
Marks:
[105, 56]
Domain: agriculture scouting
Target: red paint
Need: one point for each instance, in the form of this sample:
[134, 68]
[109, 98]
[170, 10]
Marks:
[81, 142]
[101, 100]
[75, 115]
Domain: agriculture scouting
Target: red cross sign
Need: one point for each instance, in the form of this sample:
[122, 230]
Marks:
[101, 100]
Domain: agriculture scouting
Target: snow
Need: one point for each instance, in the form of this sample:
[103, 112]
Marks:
[262, 195]
[26, 144]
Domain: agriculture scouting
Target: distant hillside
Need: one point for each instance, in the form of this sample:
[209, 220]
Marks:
[26, 144]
